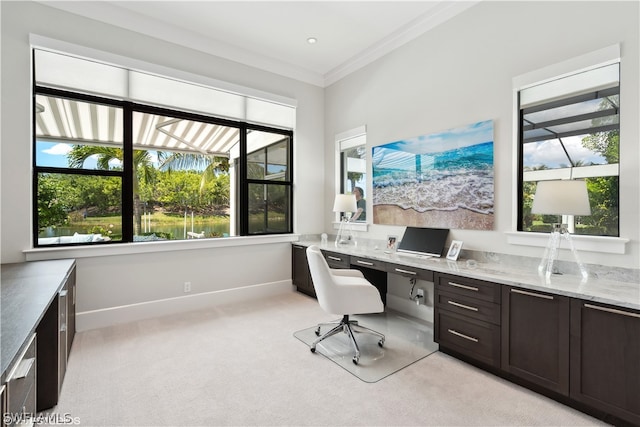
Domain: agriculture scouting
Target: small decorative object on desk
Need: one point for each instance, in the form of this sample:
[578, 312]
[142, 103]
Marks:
[391, 243]
[454, 250]
[323, 239]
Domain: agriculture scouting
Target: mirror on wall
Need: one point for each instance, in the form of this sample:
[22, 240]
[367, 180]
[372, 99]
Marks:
[351, 161]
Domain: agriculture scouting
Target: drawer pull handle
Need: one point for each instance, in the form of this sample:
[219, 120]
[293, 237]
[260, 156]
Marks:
[531, 294]
[399, 270]
[23, 368]
[334, 258]
[612, 310]
[63, 294]
[458, 285]
[466, 337]
[364, 262]
[466, 307]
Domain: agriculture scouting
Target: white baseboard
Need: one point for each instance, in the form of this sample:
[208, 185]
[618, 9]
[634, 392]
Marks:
[406, 306]
[94, 319]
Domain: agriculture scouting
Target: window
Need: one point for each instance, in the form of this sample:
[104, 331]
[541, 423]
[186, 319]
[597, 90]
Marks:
[115, 171]
[138, 152]
[269, 182]
[569, 128]
[352, 157]
[78, 171]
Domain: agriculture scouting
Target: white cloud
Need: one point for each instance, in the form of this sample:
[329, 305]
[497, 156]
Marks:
[58, 150]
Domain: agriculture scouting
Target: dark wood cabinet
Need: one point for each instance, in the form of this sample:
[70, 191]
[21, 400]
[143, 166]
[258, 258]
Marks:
[467, 318]
[301, 276]
[55, 334]
[411, 272]
[535, 337]
[71, 309]
[21, 387]
[335, 259]
[605, 358]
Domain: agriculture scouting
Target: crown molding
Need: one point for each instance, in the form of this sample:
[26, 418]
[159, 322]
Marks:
[110, 13]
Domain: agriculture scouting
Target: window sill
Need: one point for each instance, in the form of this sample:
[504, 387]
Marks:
[355, 226]
[39, 254]
[602, 244]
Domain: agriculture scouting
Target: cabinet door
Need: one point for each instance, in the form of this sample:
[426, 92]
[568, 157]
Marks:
[48, 357]
[605, 358]
[21, 386]
[474, 339]
[535, 337]
[71, 309]
[63, 325]
[300, 275]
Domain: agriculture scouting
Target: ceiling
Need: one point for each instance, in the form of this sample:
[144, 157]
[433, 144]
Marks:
[272, 35]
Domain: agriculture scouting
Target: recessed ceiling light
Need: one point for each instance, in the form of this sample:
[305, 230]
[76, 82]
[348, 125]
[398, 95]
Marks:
[312, 40]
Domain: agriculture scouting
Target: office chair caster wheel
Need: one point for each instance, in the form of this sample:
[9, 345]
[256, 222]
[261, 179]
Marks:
[381, 343]
[313, 349]
[355, 360]
[318, 331]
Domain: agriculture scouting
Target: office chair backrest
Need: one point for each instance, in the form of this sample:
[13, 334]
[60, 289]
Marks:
[323, 280]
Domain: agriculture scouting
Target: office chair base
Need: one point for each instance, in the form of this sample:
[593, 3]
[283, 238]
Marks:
[349, 327]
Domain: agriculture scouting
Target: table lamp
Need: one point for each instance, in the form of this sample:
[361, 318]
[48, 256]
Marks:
[560, 197]
[345, 203]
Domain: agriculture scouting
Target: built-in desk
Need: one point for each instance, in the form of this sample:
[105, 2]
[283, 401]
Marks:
[576, 341]
[36, 332]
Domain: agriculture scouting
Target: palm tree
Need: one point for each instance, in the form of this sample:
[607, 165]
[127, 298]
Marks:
[210, 165]
[142, 168]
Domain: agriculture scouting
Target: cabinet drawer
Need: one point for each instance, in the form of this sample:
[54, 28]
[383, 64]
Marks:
[403, 270]
[472, 288]
[476, 339]
[472, 307]
[20, 388]
[368, 263]
[336, 260]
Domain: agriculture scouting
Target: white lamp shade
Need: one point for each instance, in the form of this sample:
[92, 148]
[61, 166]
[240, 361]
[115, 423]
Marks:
[564, 197]
[345, 203]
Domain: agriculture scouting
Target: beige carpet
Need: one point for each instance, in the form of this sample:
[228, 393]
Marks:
[241, 365]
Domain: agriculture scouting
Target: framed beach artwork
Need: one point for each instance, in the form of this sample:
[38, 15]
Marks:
[441, 180]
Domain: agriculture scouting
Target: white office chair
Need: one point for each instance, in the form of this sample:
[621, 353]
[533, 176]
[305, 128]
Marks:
[343, 292]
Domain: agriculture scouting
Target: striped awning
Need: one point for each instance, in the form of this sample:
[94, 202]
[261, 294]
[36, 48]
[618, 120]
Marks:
[78, 122]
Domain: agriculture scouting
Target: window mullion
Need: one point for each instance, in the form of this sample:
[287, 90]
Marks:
[243, 196]
[127, 179]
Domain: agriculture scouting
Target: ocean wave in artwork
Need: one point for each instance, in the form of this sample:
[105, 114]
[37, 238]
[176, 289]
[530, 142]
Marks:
[459, 191]
[461, 179]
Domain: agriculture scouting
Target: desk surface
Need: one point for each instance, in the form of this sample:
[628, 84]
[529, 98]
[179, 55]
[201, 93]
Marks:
[622, 294]
[27, 290]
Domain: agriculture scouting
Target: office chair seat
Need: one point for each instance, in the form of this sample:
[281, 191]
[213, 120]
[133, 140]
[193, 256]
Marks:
[343, 292]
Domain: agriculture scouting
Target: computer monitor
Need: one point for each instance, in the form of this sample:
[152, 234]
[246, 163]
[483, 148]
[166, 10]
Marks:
[423, 241]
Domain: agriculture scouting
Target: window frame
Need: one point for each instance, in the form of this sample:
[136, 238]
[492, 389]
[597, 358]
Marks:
[573, 168]
[598, 244]
[127, 214]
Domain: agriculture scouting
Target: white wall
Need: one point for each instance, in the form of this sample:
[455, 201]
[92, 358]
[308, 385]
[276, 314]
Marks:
[105, 282]
[461, 72]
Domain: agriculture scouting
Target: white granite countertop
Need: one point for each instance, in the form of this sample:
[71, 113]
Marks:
[618, 293]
